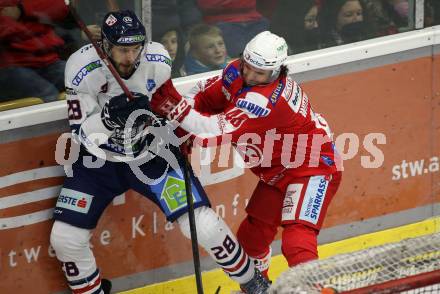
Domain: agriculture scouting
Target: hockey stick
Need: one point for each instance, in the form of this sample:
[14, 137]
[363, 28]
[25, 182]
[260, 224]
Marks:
[192, 223]
[186, 165]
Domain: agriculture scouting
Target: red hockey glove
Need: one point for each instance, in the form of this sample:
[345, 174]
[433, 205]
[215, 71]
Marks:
[185, 147]
[169, 103]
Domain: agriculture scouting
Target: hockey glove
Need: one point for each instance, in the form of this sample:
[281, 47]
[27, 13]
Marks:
[117, 110]
[168, 103]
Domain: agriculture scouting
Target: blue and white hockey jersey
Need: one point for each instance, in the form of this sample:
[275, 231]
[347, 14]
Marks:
[90, 84]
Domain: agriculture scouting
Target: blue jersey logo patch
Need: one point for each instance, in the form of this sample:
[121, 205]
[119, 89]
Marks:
[230, 76]
[151, 84]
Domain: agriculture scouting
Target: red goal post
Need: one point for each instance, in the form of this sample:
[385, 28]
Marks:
[409, 266]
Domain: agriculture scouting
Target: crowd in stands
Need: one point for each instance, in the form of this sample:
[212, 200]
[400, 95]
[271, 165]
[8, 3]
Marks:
[36, 37]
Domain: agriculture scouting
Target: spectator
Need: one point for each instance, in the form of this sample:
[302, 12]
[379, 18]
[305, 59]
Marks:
[267, 7]
[207, 50]
[92, 13]
[238, 20]
[432, 13]
[429, 14]
[30, 63]
[380, 17]
[296, 22]
[435, 4]
[167, 14]
[398, 12]
[173, 41]
[343, 21]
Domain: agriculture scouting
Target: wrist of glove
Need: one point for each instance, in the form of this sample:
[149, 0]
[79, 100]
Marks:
[167, 102]
[117, 111]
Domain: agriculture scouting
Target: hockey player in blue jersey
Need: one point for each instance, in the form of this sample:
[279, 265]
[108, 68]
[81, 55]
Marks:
[97, 107]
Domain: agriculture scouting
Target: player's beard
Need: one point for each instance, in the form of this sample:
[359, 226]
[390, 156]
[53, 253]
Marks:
[125, 70]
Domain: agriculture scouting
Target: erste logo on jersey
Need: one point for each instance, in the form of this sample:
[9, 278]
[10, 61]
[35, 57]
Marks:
[254, 103]
[74, 200]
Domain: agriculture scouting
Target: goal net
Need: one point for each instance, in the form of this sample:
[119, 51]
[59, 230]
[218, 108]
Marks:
[391, 268]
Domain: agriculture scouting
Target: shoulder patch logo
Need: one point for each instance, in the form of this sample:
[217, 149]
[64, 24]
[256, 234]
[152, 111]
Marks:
[230, 75]
[158, 58]
[85, 71]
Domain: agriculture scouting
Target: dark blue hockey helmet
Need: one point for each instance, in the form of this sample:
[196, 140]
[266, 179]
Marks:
[123, 28]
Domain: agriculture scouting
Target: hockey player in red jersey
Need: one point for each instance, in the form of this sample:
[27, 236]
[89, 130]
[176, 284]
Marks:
[269, 119]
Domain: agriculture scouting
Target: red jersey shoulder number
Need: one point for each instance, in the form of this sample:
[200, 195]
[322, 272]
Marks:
[236, 117]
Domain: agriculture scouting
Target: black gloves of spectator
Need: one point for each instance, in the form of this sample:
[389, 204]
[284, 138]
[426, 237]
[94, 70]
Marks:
[117, 110]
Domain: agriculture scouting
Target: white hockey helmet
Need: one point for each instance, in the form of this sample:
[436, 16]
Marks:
[266, 51]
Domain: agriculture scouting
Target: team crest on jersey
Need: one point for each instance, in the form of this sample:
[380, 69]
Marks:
[174, 194]
[151, 84]
[85, 71]
[74, 200]
[276, 93]
[230, 76]
[158, 58]
[111, 20]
